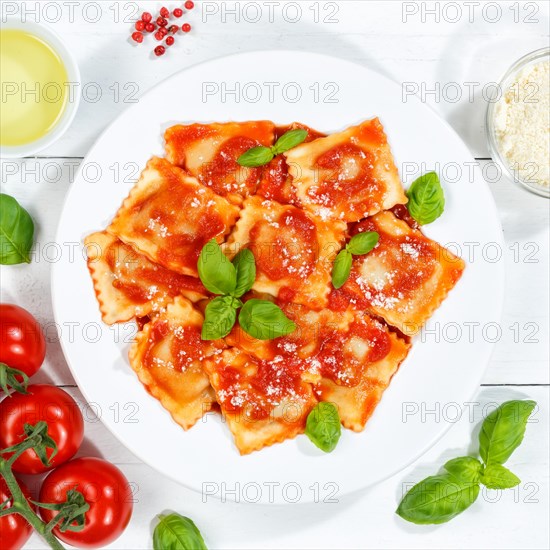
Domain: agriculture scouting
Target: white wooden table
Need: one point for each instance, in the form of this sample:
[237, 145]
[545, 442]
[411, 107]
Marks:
[449, 56]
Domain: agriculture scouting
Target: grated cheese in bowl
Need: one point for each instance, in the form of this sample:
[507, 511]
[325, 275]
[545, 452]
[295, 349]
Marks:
[518, 123]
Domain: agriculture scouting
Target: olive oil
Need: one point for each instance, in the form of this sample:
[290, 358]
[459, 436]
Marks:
[34, 88]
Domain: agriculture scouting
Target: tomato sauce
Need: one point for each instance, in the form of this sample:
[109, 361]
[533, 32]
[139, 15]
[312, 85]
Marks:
[187, 347]
[336, 358]
[263, 386]
[339, 299]
[374, 333]
[180, 138]
[224, 175]
[140, 280]
[410, 260]
[276, 184]
[185, 344]
[401, 211]
[287, 250]
[346, 176]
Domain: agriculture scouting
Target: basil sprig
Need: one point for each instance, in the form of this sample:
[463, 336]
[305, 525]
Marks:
[426, 198]
[323, 426]
[359, 244]
[440, 498]
[16, 232]
[260, 156]
[175, 532]
[231, 280]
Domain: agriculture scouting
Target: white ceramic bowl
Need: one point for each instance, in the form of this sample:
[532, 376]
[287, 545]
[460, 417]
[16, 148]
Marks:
[73, 74]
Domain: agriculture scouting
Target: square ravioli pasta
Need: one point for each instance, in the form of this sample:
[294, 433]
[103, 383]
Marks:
[129, 285]
[384, 354]
[168, 356]
[263, 401]
[209, 152]
[349, 356]
[294, 250]
[169, 217]
[403, 279]
[348, 176]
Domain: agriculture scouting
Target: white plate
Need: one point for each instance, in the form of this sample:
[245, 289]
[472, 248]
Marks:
[445, 366]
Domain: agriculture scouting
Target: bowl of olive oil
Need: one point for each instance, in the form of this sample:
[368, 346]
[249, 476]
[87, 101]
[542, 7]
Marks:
[39, 85]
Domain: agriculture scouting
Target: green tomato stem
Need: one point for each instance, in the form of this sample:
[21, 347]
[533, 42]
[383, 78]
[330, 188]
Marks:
[22, 507]
[20, 448]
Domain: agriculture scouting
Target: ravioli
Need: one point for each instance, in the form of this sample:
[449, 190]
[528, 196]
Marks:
[347, 176]
[356, 403]
[294, 250]
[209, 152]
[263, 401]
[168, 356]
[169, 217]
[129, 285]
[405, 278]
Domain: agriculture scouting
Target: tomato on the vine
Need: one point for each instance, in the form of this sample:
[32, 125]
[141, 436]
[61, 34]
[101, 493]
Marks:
[22, 343]
[104, 488]
[14, 530]
[42, 403]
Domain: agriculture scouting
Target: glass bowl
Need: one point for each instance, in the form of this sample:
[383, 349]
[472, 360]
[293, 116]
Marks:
[490, 127]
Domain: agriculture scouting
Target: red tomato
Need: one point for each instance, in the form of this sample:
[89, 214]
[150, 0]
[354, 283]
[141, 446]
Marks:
[22, 342]
[52, 405]
[14, 530]
[104, 488]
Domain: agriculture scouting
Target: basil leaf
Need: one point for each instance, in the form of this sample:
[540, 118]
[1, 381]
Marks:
[426, 198]
[245, 265]
[503, 430]
[341, 268]
[363, 243]
[257, 156]
[323, 426]
[497, 476]
[289, 140]
[16, 232]
[175, 532]
[437, 499]
[465, 468]
[264, 320]
[219, 318]
[216, 272]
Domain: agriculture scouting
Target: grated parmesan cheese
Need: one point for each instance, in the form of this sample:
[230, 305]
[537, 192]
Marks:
[522, 124]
